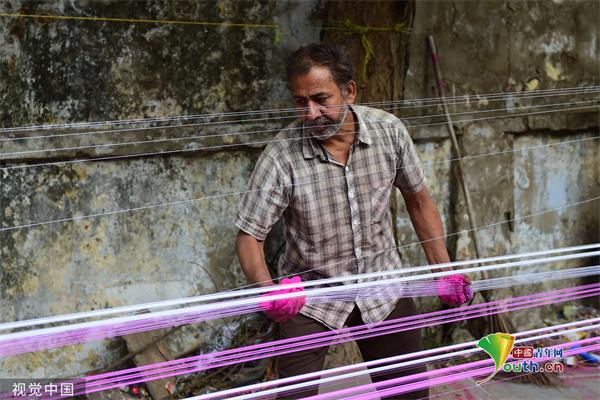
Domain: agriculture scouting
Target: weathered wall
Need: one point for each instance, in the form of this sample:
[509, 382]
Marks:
[65, 71]
[502, 46]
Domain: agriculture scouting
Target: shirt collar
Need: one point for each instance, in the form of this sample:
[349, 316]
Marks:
[310, 147]
[364, 133]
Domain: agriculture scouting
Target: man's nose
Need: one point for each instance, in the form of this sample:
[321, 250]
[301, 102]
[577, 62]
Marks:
[313, 111]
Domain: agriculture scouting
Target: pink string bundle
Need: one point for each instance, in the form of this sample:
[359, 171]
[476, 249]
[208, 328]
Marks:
[454, 290]
[284, 309]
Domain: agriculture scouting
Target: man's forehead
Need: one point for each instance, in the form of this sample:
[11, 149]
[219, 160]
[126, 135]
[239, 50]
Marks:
[318, 79]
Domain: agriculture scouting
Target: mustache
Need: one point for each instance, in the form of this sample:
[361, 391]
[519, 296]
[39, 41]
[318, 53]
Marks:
[321, 121]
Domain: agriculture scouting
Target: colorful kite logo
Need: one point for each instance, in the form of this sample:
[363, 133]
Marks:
[498, 346]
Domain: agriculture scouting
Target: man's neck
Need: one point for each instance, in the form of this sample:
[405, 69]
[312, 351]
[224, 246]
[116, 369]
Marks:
[339, 145]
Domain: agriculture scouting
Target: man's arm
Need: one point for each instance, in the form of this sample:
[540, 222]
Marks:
[252, 259]
[260, 208]
[426, 220]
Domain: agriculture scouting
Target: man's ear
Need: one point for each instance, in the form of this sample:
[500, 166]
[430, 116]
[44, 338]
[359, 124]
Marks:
[351, 92]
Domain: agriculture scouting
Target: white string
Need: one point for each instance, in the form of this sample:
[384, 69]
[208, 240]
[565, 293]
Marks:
[256, 299]
[165, 152]
[223, 195]
[367, 367]
[197, 137]
[231, 294]
[17, 346]
[122, 130]
[464, 231]
[235, 293]
[409, 118]
[432, 239]
[424, 288]
[388, 275]
[434, 100]
[525, 279]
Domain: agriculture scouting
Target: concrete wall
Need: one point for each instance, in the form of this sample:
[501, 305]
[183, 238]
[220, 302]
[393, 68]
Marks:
[67, 71]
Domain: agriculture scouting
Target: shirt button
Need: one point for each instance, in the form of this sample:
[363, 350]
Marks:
[351, 194]
[355, 222]
[346, 168]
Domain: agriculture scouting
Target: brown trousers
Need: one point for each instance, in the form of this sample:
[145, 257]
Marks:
[373, 348]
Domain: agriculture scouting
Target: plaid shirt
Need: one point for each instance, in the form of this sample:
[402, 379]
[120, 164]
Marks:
[337, 219]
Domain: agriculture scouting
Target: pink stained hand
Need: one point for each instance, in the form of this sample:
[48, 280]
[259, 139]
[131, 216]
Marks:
[454, 290]
[284, 309]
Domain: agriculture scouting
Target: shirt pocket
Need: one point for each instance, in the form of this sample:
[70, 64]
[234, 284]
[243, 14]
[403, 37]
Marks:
[380, 202]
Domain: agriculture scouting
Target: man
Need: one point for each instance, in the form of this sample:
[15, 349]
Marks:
[330, 175]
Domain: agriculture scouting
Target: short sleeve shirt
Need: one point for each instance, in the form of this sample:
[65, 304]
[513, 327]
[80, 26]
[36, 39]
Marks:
[337, 217]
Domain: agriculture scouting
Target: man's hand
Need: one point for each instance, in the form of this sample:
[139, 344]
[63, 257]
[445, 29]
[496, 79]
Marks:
[454, 290]
[284, 309]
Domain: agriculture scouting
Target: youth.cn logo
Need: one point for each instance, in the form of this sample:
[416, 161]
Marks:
[499, 346]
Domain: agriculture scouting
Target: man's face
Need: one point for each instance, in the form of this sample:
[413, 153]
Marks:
[321, 105]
